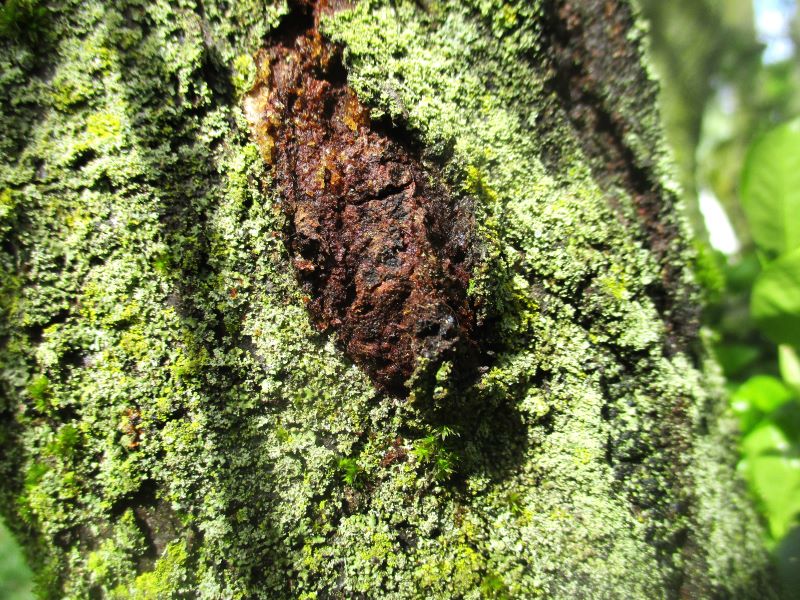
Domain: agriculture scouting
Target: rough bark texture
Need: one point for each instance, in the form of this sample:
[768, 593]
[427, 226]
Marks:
[174, 422]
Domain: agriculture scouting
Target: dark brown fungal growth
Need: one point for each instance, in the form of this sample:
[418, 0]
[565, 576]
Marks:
[381, 247]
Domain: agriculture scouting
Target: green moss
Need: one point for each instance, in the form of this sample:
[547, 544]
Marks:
[66, 442]
[168, 577]
[352, 473]
[244, 73]
[7, 207]
[115, 559]
[432, 451]
[103, 127]
[23, 19]
[38, 390]
[708, 271]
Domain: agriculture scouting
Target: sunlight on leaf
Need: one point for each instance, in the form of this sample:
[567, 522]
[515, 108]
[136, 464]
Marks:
[771, 189]
[776, 299]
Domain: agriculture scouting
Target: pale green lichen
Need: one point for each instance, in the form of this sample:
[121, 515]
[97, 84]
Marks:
[163, 386]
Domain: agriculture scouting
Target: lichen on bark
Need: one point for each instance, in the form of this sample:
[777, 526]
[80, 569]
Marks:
[174, 424]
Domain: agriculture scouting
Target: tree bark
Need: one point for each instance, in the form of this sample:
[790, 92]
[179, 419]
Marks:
[192, 408]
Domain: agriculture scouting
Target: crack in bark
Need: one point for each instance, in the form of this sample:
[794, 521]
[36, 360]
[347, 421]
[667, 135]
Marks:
[380, 245]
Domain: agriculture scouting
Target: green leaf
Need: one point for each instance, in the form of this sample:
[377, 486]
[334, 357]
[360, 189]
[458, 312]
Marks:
[775, 303]
[747, 415]
[790, 366]
[735, 357]
[771, 189]
[788, 559]
[767, 438]
[772, 469]
[787, 417]
[776, 480]
[741, 274]
[15, 576]
[764, 392]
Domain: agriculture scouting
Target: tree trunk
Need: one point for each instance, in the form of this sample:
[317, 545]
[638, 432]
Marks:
[220, 381]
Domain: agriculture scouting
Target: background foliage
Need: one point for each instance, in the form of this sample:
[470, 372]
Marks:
[15, 577]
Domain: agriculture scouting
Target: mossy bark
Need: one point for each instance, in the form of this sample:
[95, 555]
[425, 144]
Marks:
[173, 424]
